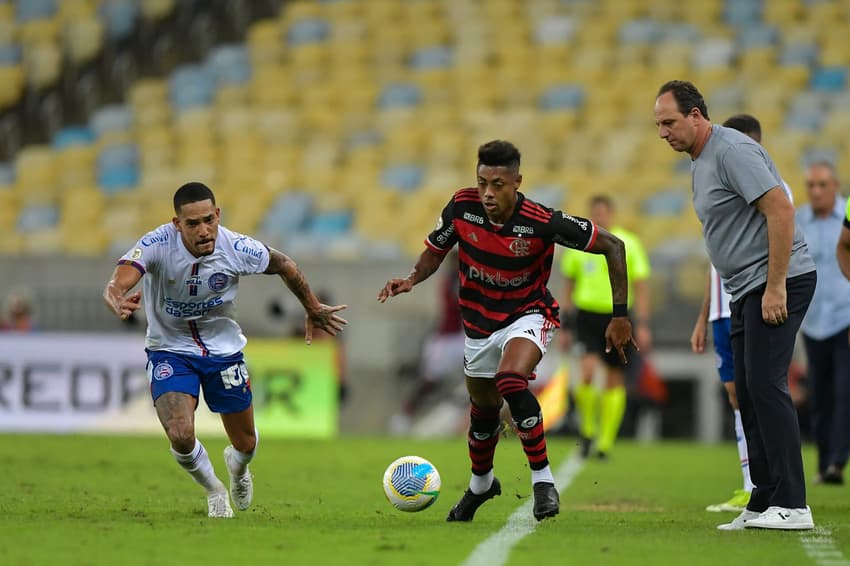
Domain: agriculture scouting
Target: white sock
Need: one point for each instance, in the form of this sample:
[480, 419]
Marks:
[243, 458]
[743, 454]
[199, 466]
[480, 484]
[544, 475]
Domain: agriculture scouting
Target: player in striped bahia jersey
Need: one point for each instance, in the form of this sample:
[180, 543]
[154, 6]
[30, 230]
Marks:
[506, 243]
[193, 341]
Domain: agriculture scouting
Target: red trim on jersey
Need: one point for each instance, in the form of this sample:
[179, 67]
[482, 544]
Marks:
[196, 336]
[592, 236]
[477, 329]
[434, 248]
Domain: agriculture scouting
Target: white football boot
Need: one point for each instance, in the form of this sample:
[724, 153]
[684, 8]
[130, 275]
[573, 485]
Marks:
[241, 487]
[784, 519]
[740, 522]
[219, 505]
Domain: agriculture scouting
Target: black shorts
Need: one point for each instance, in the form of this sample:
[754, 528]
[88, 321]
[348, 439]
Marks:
[590, 333]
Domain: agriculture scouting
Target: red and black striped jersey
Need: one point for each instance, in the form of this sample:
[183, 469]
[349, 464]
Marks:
[504, 270]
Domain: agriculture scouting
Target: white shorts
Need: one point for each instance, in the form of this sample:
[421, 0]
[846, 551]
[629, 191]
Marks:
[481, 356]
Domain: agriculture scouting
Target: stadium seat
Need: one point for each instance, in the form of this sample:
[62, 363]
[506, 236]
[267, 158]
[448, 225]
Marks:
[191, 86]
[229, 64]
[28, 10]
[73, 135]
[829, 79]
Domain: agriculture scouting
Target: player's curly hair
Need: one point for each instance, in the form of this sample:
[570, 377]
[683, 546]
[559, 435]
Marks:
[192, 192]
[686, 95]
[499, 153]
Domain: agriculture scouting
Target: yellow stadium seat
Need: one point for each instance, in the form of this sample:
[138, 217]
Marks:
[39, 32]
[42, 64]
[83, 38]
[35, 167]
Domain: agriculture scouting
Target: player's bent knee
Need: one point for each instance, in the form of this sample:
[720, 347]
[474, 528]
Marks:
[245, 443]
[181, 433]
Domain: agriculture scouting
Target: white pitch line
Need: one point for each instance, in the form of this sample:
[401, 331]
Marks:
[820, 547]
[496, 549]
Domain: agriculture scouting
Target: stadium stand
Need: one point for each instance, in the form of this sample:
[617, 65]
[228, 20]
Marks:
[337, 118]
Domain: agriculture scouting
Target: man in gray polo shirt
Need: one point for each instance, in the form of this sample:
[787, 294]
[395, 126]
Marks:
[752, 240]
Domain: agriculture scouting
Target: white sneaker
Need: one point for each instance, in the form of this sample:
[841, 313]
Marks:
[219, 505]
[241, 487]
[739, 522]
[784, 519]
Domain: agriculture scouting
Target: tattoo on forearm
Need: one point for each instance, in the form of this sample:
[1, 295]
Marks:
[618, 275]
[427, 264]
[297, 283]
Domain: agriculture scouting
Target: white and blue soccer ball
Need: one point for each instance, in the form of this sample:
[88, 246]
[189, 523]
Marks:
[412, 483]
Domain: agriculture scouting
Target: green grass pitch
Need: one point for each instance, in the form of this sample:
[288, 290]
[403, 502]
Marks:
[123, 500]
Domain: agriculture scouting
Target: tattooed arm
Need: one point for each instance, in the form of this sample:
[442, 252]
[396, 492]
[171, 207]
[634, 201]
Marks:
[618, 335]
[427, 264]
[317, 315]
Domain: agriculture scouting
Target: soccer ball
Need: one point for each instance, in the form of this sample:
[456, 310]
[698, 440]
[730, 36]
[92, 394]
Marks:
[411, 483]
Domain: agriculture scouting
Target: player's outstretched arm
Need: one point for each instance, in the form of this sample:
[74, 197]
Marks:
[427, 264]
[115, 295]
[618, 335]
[317, 315]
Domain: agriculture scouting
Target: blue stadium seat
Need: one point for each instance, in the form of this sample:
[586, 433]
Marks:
[7, 174]
[10, 54]
[804, 119]
[73, 135]
[229, 64]
[33, 218]
[311, 30]
[331, 223]
[191, 86]
[555, 29]
[27, 10]
[111, 118]
[119, 17]
[829, 79]
[642, 30]
[742, 12]
[757, 36]
[435, 57]
[666, 202]
[563, 96]
[802, 53]
[396, 95]
[118, 168]
[817, 154]
[404, 178]
[364, 138]
[289, 213]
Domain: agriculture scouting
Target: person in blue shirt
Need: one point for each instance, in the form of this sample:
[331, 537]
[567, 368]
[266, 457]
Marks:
[826, 327]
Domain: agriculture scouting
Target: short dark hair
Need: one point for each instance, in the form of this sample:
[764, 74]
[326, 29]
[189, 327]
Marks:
[192, 192]
[746, 124]
[499, 153]
[603, 200]
[686, 95]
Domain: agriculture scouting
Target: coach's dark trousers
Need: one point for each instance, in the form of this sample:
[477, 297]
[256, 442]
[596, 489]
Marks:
[762, 353]
[829, 384]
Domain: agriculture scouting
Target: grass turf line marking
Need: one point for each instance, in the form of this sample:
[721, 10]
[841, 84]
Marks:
[495, 550]
[820, 547]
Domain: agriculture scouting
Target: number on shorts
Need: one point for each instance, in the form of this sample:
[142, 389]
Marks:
[234, 376]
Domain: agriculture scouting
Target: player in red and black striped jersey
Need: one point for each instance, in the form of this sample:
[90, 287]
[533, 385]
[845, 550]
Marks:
[506, 243]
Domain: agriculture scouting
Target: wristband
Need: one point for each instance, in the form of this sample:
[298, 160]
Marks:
[620, 309]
